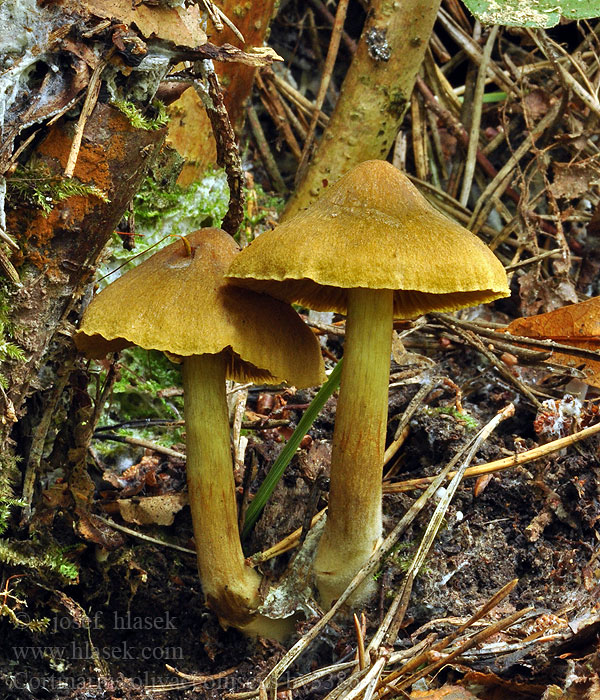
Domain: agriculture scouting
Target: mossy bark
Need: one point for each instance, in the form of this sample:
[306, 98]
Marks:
[374, 96]
[57, 259]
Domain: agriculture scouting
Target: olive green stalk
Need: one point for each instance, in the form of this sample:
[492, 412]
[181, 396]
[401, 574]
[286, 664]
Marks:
[353, 526]
[230, 587]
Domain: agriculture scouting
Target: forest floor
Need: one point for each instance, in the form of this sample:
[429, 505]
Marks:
[133, 624]
[535, 523]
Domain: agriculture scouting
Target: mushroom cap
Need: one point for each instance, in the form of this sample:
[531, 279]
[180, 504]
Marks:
[372, 229]
[182, 304]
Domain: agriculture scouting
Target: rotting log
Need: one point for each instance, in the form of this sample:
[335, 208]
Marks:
[374, 96]
[60, 251]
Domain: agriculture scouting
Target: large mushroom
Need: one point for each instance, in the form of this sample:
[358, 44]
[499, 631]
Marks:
[374, 249]
[178, 301]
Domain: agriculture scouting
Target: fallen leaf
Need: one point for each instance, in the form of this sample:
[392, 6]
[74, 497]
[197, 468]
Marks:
[576, 322]
[571, 180]
[577, 325]
[179, 25]
[152, 510]
[536, 103]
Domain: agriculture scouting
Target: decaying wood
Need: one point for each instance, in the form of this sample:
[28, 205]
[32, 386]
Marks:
[61, 250]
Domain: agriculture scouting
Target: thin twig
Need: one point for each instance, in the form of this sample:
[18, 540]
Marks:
[476, 118]
[475, 341]
[332, 51]
[141, 536]
[139, 442]
[93, 90]
[228, 156]
[265, 151]
[395, 615]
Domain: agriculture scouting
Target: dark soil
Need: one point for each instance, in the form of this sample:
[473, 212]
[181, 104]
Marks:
[144, 604]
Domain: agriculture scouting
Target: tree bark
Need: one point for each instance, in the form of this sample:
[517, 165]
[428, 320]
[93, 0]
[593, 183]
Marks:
[374, 96]
[59, 252]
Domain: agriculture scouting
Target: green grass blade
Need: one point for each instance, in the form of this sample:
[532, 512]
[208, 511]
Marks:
[275, 473]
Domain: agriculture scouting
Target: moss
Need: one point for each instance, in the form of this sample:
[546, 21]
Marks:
[468, 421]
[33, 184]
[8, 349]
[397, 104]
[139, 120]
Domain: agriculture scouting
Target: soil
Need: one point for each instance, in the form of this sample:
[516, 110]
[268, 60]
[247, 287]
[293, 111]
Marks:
[144, 605]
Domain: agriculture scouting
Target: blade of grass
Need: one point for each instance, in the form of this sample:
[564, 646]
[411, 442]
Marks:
[275, 473]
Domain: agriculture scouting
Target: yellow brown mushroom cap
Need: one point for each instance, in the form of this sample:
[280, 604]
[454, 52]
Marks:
[372, 229]
[181, 304]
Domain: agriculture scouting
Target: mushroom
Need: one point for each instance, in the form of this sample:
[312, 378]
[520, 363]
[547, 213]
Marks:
[178, 301]
[373, 248]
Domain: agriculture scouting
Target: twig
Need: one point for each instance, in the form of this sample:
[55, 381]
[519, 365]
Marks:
[475, 341]
[360, 642]
[272, 103]
[285, 544]
[476, 639]
[218, 18]
[395, 615]
[141, 536]
[501, 464]
[498, 335]
[476, 118]
[418, 133]
[501, 181]
[370, 566]
[332, 51]
[458, 130]
[139, 442]
[265, 151]
[228, 156]
[557, 253]
[93, 90]
[298, 98]
[411, 409]
[260, 424]
[472, 49]
[370, 679]
[425, 655]
[348, 41]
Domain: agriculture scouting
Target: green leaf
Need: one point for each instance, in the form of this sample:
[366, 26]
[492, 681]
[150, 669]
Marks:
[531, 13]
[276, 472]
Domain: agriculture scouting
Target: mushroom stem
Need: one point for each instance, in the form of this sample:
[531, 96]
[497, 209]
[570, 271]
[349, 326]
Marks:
[353, 525]
[229, 585]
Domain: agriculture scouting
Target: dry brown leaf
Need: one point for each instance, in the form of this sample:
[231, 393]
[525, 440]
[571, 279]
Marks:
[536, 104]
[577, 325]
[576, 322]
[176, 24]
[572, 180]
[152, 510]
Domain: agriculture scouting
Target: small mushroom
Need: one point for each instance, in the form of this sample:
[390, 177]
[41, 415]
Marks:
[373, 248]
[179, 302]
